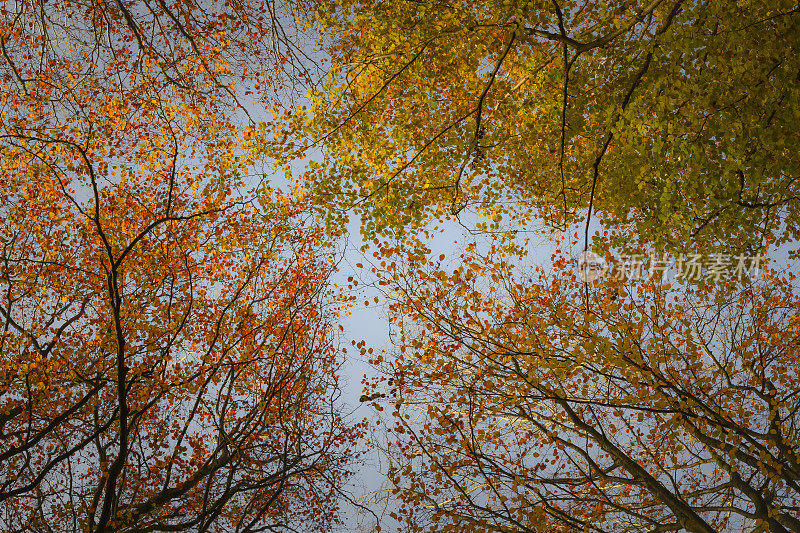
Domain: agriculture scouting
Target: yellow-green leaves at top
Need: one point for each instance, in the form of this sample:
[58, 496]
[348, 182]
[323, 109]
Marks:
[677, 117]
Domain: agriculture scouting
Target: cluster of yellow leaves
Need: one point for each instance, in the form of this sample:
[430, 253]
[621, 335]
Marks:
[673, 118]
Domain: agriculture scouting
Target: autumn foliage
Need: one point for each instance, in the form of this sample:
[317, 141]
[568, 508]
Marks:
[166, 357]
[671, 119]
[544, 404]
[524, 399]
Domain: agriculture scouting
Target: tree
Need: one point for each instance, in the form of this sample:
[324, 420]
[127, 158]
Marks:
[545, 404]
[675, 118]
[167, 359]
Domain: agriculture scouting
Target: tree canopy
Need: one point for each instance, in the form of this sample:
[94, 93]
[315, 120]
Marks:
[167, 357]
[541, 405]
[674, 118]
[534, 400]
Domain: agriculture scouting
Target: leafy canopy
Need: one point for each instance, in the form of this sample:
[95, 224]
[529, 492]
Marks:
[676, 118]
[529, 401]
[166, 357]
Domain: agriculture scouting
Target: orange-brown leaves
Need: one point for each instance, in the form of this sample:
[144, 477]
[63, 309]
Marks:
[592, 405]
[166, 358]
